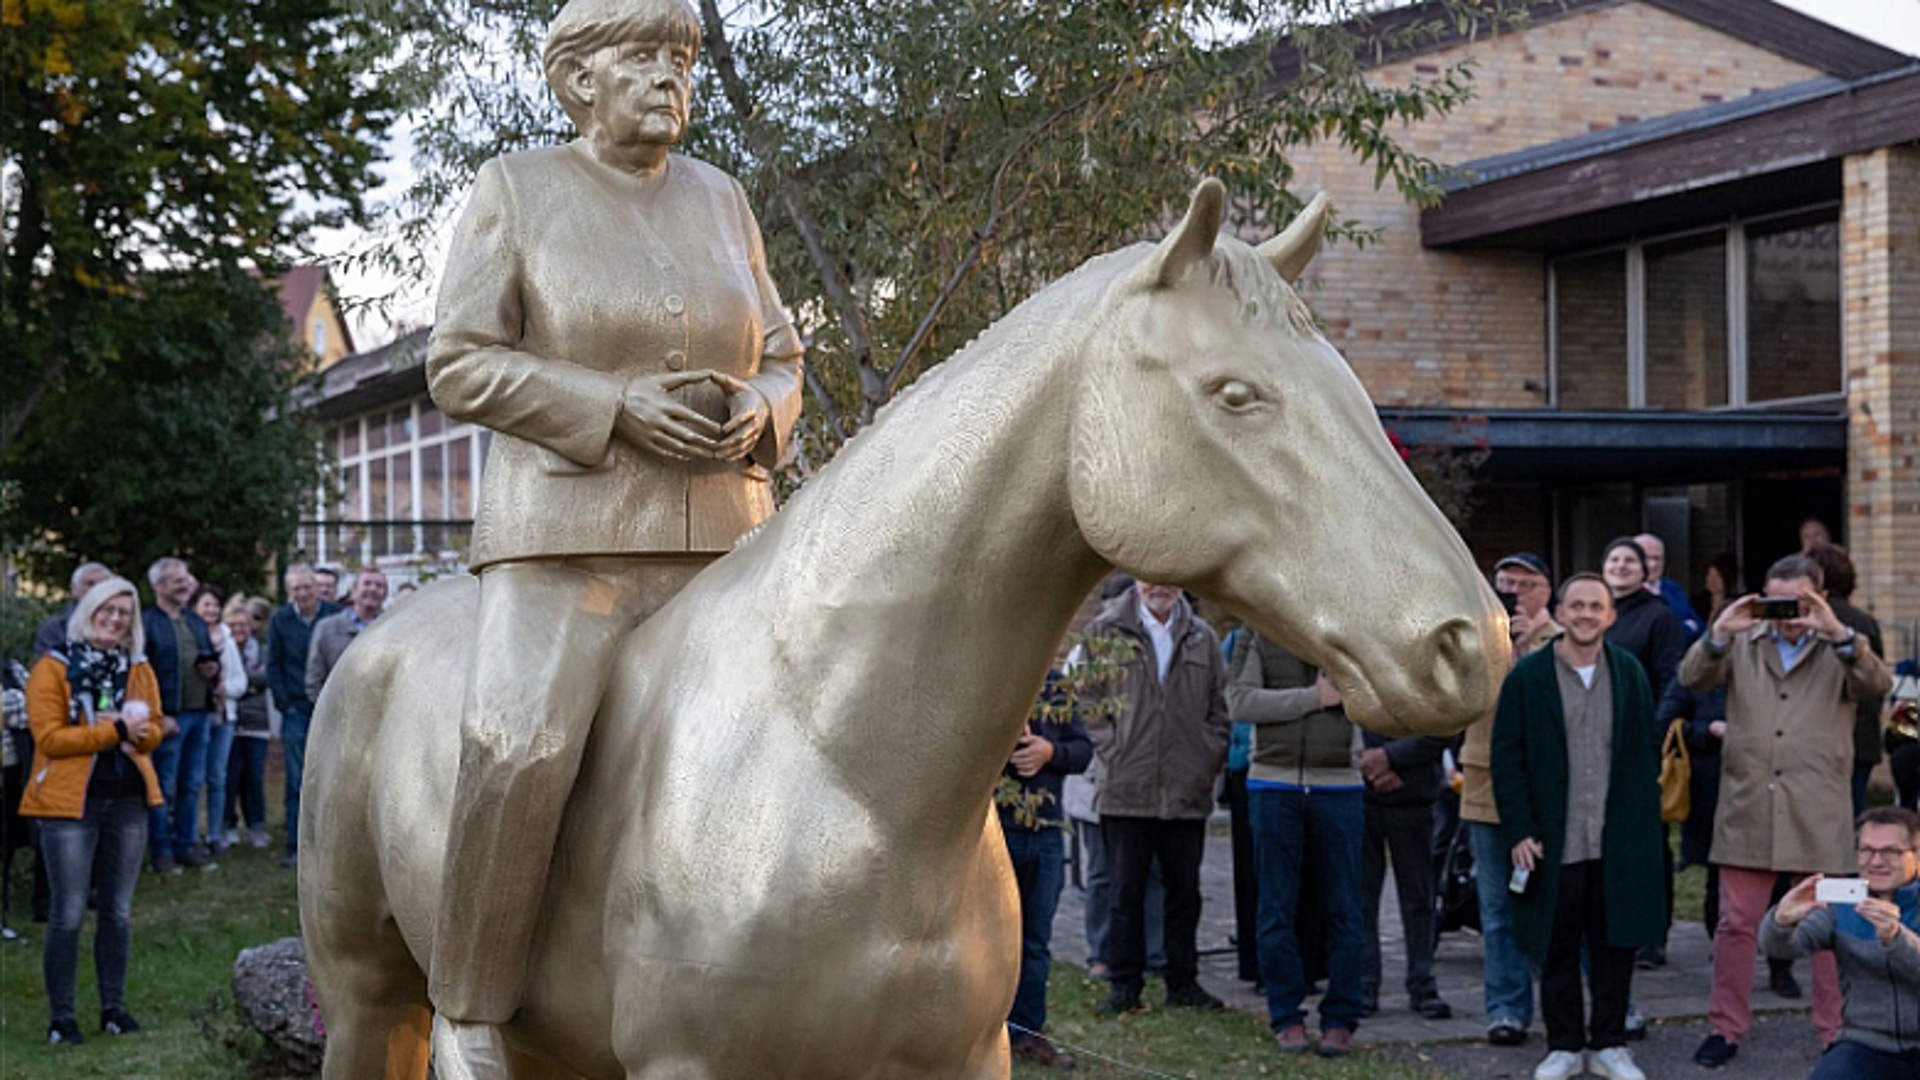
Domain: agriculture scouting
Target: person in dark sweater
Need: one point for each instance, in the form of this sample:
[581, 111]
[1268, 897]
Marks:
[1403, 784]
[1644, 625]
[1837, 565]
[1649, 631]
[1054, 747]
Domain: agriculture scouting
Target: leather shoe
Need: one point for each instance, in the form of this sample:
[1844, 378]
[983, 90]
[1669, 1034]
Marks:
[1369, 1002]
[1432, 1008]
[1651, 957]
[1120, 999]
[1335, 1042]
[1039, 1050]
[1505, 1032]
[1292, 1039]
[1192, 996]
[1715, 1052]
[1781, 981]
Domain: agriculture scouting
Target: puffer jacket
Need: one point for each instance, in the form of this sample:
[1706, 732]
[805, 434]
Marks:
[1295, 741]
[1881, 1009]
[1159, 756]
[63, 752]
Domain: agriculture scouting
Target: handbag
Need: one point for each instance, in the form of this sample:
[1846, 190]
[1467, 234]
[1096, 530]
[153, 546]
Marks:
[1676, 776]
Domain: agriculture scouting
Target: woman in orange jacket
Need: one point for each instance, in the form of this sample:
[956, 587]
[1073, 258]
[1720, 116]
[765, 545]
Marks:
[94, 707]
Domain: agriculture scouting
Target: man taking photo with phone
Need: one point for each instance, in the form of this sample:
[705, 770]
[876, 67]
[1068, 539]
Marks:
[1874, 934]
[1793, 672]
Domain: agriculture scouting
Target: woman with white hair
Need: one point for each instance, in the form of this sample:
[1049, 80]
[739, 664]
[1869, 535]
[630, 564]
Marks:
[94, 708]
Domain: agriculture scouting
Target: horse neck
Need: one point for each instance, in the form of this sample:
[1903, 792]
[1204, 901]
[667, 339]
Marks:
[936, 564]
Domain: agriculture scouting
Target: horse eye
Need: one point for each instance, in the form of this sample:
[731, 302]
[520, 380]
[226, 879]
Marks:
[1235, 394]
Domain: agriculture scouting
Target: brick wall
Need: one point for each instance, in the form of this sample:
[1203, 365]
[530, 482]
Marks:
[1880, 271]
[1469, 330]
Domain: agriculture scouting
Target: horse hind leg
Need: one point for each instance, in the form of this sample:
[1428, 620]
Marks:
[376, 1010]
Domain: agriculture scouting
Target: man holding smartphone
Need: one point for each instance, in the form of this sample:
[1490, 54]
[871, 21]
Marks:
[1873, 931]
[1793, 672]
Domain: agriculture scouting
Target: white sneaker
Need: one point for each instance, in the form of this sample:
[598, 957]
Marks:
[1616, 1062]
[1560, 1065]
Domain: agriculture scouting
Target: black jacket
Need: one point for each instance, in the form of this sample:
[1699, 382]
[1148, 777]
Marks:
[1648, 630]
[163, 652]
[1697, 710]
[1072, 753]
[1416, 761]
[1866, 722]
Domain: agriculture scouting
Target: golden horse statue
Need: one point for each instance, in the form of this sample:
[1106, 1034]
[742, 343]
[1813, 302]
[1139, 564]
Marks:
[779, 859]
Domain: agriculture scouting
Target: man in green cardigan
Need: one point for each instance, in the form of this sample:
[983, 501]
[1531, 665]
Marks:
[1576, 767]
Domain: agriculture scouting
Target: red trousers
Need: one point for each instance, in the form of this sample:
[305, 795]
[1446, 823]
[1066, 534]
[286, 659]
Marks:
[1743, 903]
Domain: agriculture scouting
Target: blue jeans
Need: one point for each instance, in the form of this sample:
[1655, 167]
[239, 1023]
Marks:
[1098, 892]
[187, 783]
[247, 782]
[1509, 978]
[293, 743]
[1850, 1061]
[1039, 858]
[1287, 827]
[104, 846]
[166, 769]
[219, 745]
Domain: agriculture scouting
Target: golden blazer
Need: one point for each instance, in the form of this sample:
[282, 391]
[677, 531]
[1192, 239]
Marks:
[568, 278]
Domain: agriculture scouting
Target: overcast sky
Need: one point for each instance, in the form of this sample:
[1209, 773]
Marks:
[1894, 23]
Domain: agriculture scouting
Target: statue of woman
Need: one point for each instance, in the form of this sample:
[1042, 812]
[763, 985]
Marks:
[606, 309]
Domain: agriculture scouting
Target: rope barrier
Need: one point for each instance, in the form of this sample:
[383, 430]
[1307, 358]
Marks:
[1097, 1055]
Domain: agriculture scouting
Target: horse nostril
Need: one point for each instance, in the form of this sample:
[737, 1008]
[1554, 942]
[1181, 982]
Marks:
[1453, 656]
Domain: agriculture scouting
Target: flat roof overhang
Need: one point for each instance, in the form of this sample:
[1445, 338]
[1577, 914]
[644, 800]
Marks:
[1568, 448]
[1774, 150]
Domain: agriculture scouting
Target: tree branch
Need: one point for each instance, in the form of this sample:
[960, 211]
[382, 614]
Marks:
[852, 320]
[988, 232]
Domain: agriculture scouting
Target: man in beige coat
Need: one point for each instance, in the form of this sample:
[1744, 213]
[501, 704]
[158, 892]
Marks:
[1785, 774]
[606, 308]
[1508, 976]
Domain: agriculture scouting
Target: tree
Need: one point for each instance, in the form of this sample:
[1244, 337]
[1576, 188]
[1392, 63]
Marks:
[152, 153]
[922, 165]
[183, 445]
[144, 134]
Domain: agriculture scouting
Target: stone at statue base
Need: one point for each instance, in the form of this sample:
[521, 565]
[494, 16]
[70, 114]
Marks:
[270, 991]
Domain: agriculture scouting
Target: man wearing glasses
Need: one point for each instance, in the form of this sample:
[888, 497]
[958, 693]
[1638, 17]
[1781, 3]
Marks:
[1877, 945]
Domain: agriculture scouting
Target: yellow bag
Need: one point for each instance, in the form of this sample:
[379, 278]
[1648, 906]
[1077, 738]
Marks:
[1676, 776]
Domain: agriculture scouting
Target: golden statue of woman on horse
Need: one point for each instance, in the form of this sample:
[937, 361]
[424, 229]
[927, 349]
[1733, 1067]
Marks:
[627, 805]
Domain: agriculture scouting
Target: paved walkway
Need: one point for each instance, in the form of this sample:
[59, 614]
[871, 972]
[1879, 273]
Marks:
[1674, 997]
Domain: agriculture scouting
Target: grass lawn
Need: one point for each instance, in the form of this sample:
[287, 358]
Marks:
[1177, 1042]
[187, 929]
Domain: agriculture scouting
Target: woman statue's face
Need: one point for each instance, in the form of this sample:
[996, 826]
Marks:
[208, 608]
[111, 621]
[639, 93]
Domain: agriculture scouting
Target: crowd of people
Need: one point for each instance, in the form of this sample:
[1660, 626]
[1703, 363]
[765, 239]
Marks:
[1563, 802]
[129, 719]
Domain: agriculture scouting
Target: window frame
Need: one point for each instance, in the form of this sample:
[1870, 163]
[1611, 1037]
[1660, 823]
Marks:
[1735, 245]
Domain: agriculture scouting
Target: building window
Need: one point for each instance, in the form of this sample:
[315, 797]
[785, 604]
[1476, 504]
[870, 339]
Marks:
[319, 337]
[405, 483]
[1746, 315]
[1793, 308]
[1686, 321]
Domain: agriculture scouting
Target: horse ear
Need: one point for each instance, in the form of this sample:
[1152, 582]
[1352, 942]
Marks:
[1295, 247]
[1192, 241]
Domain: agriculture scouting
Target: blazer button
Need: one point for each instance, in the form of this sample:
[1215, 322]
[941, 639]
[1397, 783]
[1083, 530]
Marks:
[1777, 734]
[1783, 695]
[676, 360]
[675, 305]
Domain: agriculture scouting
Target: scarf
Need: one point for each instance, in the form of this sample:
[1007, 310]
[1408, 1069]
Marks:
[96, 681]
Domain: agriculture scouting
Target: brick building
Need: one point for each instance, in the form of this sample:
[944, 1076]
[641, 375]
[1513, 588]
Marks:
[1674, 285]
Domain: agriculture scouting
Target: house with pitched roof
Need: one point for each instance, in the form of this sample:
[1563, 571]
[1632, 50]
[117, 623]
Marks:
[1673, 285]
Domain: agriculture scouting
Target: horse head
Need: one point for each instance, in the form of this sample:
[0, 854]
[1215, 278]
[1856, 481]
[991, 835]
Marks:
[1220, 443]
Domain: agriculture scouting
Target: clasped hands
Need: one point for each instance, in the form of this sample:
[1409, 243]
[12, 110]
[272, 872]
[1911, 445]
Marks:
[651, 419]
[1800, 901]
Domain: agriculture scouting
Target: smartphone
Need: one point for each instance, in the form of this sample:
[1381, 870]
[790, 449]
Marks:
[1840, 890]
[1765, 608]
[1510, 601]
[1517, 884]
